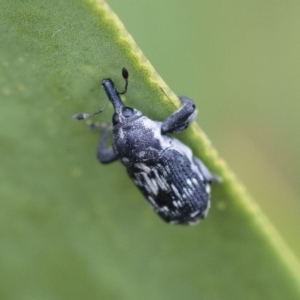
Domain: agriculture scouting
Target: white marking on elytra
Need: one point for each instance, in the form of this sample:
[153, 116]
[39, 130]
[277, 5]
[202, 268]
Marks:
[185, 194]
[163, 169]
[147, 187]
[125, 160]
[164, 209]
[177, 204]
[189, 182]
[143, 167]
[160, 181]
[140, 183]
[194, 180]
[175, 191]
[151, 184]
[156, 188]
[167, 169]
[164, 172]
[191, 192]
[207, 188]
[152, 201]
[195, 213]
[141, 153]
[188, 192]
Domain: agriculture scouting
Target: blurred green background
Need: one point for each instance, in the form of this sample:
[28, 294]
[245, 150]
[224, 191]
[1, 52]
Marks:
[245, 56]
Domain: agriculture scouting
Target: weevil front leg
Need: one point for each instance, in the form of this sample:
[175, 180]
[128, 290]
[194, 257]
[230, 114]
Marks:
[105, 154]
[180, 119]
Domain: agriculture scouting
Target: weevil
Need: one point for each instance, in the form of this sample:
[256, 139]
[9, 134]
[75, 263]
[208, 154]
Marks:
[172, 179]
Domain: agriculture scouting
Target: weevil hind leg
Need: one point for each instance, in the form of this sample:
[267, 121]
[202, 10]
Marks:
[105, 154]
[208, 176]
[180, 119]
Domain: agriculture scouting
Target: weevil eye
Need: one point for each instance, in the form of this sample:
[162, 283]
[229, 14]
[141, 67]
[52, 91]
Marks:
[127, 112]
[115, 119]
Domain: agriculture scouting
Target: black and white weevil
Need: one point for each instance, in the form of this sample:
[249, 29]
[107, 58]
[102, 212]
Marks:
[175, 183]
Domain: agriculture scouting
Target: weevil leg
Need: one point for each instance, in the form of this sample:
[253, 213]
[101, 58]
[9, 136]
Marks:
[97, 126]
[209, 177]
[180, 119]
[104, 154]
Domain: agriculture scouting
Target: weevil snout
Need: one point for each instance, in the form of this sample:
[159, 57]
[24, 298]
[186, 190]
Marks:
[112, 94]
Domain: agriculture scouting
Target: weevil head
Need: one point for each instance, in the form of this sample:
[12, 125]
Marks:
[122, 114]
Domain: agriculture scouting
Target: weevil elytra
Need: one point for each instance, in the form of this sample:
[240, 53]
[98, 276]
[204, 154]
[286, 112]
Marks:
[172, 179]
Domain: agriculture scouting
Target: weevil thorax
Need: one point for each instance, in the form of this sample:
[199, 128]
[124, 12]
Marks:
[136, 138]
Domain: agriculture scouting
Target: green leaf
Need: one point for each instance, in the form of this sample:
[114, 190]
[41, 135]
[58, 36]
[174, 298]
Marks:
[71, 228]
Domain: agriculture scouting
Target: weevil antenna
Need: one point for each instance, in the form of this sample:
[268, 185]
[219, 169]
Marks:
[125, 75]
[84, 116]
